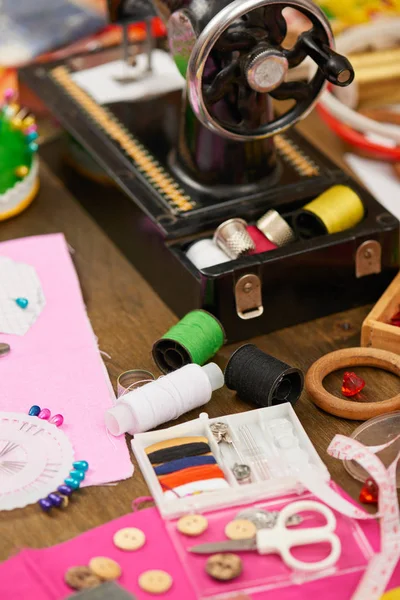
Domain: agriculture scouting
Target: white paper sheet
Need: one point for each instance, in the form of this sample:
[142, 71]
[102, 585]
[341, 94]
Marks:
[103, 85]
[380, 179]
[19, 280]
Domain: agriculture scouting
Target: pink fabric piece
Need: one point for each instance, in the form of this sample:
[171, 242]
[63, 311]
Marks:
[57, 364]
[39, 574]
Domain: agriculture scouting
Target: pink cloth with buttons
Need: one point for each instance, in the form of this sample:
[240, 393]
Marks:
[39, 574]
[57, 364]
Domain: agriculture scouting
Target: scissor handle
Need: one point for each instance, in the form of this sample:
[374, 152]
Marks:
[282, 540]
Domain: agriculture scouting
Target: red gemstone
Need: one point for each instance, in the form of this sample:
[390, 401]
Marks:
[395, 320]
[352, 384]
[369, 493]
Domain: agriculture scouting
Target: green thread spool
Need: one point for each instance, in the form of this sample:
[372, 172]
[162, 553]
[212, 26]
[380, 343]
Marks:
[195, 339]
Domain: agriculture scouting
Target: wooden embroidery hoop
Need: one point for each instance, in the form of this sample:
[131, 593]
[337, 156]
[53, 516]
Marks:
[352, 357]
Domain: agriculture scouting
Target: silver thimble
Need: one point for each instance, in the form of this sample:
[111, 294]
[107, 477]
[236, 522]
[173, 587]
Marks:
[232, 237]
[275, 228]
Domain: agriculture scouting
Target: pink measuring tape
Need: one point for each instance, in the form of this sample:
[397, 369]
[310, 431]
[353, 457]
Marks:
[381, 567]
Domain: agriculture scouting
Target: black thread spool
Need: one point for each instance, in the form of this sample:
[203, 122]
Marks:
[262, 379]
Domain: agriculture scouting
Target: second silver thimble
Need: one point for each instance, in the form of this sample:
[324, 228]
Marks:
[232, 237]
[275, 228]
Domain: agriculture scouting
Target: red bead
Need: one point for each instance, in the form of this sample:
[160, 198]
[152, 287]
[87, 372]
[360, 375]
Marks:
[395, 320]
[352, 384]
[369, 493]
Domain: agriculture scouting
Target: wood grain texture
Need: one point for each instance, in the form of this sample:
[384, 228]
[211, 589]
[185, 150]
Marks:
[127, 316]
[377, 332]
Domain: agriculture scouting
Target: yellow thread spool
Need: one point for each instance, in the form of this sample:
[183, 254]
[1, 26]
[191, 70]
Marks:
[337, 209]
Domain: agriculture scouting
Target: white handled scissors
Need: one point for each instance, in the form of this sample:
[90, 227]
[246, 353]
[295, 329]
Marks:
[280, 539]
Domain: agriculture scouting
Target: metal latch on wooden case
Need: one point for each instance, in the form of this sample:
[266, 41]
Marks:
[248, 297]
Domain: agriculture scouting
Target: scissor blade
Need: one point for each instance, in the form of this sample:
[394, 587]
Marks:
[227, 546]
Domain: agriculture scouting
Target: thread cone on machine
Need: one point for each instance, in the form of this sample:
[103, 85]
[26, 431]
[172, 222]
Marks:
[262, 379]
[233, 238]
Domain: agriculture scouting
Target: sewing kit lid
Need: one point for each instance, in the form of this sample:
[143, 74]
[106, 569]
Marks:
[255, 436]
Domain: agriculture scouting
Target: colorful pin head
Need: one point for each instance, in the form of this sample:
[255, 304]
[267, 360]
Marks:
[44, 414]
[33, 147]
[72, 483]
[81, 465]
[9, 94]
[28, 122]
[21, 171]
[57, 420]
[34, 410]
[77, 475]
[22, 303]
[31, 136]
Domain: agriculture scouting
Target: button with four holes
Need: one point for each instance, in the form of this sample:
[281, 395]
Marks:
[224, 567]
[192, 525]
[155, 581]
[129, 539]
[240, 529]
[81, 578]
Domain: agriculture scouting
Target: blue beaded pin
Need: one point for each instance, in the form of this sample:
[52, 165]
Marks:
[60, 498]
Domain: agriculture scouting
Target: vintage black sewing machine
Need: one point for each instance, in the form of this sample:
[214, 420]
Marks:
[188, 161]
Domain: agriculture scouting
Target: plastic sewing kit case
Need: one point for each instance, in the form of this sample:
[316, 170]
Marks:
[301, 281]
[274, 444]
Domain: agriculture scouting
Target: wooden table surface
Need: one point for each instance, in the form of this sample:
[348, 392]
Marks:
[127, 316]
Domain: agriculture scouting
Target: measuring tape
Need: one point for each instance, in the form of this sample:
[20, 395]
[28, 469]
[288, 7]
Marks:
[381, 567]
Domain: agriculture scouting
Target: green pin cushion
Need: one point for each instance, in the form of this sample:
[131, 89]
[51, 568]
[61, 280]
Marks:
[195, 339]
[19, 181]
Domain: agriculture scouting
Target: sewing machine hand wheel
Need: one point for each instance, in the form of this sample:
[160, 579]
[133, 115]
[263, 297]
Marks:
[239, 55]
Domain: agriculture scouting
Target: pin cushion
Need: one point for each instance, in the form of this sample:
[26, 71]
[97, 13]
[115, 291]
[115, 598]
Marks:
[19, 165]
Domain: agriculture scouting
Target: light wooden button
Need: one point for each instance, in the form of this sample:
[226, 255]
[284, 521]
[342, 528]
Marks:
[105, 568]
[81, 578]
[240, 529]
[155, 581]
[129, 539]
[224, 567]
[192, 525]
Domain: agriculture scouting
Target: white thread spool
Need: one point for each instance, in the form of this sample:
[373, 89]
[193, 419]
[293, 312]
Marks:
[164, 400]
[205, 253]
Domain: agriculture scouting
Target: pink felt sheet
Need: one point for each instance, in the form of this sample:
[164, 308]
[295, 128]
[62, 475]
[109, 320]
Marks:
[39, 574]
[57, 364]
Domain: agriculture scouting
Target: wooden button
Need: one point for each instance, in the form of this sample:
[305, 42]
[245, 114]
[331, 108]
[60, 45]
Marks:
[105, 568]
[192, 525]
[240, 529]
[81, 578]
[129, 539]
[155, 581]
[224, 567]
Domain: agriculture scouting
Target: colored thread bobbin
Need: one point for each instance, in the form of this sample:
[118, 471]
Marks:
[186, 462]
[195, 339]
[176, 452]
[201, 473]
[336, 210]
[262, 379]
